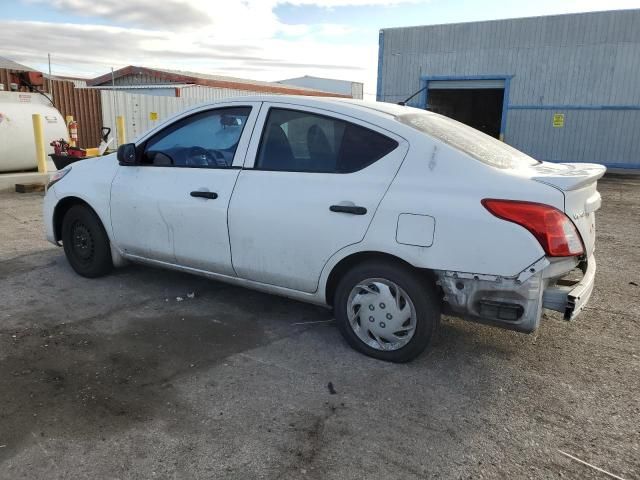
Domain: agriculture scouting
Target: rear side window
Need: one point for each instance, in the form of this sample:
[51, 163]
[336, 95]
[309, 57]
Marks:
[473, 142]
[298, 141]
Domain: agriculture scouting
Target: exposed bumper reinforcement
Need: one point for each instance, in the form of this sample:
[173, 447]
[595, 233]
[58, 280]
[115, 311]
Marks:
[572, 299]
[503, 302]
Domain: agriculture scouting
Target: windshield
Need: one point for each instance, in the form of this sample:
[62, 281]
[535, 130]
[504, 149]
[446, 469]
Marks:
[473, 142]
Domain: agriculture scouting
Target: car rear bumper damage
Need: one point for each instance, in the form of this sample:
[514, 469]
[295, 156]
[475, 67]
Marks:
[516, 303]
[571, 296]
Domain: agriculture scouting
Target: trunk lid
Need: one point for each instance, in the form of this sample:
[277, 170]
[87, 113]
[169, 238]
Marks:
[578, 183]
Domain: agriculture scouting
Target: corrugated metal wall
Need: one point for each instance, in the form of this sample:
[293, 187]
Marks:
[585, 66]
[84, 105]
[139, 79]
[143, 112]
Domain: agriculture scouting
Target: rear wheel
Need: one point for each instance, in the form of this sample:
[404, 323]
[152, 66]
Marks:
[85, 242]
[386, 310]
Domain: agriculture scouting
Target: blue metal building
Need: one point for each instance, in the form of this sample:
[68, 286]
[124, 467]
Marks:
[561, 88]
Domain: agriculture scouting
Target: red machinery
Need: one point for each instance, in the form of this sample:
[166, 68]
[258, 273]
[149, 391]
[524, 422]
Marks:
[62, 147]
[64, 154]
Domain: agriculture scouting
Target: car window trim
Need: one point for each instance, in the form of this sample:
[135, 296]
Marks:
[143, 145]
[148, 165]
[302, 109]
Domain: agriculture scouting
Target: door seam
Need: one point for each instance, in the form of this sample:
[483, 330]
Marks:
[233, 190]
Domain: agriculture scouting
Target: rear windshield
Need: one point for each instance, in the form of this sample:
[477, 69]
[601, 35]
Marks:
[473, 142]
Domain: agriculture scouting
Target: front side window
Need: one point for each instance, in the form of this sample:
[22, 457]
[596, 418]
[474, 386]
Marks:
[206, 139]
[305, 142]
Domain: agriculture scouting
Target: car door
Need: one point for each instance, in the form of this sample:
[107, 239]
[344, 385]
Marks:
[171, 205]
[311, 184]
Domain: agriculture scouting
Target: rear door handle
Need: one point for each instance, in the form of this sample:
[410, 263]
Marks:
[207, 195]
[352, 209]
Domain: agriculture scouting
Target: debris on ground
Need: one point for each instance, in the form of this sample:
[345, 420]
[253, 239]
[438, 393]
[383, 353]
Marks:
[332, 390]
[633, 283]
[189, 295]
[609, 474]
[315, 321]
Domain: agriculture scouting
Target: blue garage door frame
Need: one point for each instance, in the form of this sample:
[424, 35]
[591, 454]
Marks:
[506, 79]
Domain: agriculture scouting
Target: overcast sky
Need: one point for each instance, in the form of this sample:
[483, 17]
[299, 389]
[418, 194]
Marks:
[259, 39]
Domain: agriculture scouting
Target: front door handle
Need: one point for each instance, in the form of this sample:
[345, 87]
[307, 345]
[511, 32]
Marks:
[352, 209]
[207, 195]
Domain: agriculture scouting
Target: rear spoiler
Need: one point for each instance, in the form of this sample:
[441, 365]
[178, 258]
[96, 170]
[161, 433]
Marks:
[569, 176]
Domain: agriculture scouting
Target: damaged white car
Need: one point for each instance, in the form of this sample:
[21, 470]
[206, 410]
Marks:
[388, 214]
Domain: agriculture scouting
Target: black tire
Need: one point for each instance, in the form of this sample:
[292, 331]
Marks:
[86, 243]
[420, 290]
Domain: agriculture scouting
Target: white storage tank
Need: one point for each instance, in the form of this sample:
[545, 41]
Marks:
[17, 145]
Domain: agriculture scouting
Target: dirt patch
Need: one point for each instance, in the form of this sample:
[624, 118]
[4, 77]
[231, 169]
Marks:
[23, 263]
[80, 379]
[310, 432]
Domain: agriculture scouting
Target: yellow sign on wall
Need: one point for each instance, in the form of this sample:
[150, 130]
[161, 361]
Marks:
[153, 115]
[558, 120]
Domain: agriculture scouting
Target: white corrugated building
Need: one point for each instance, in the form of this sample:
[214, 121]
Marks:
[341, 87]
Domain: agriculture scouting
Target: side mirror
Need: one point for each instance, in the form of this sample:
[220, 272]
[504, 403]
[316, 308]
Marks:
[127, 154]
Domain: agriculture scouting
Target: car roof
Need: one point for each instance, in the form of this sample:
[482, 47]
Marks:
[382, 109]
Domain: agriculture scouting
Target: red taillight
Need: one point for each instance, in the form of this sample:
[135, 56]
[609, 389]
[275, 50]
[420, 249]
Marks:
[552, 228]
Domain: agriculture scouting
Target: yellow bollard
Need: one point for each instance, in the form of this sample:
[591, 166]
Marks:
[122, 134]
[38, 136]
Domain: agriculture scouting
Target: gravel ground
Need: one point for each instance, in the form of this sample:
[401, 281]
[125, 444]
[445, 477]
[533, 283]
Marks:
[117, 378]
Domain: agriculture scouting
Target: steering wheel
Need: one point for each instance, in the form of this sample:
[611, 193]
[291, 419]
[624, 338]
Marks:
[221, 161]
[200, 157]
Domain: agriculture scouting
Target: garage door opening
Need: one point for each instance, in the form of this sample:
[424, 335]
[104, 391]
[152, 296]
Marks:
[477, 103]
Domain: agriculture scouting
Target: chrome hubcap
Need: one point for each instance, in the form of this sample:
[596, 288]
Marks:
[381, 314]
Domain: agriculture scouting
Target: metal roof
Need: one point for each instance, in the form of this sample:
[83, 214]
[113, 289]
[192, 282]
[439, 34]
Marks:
[141, 87]
[222, 78]
[11, 65]
[219, 81]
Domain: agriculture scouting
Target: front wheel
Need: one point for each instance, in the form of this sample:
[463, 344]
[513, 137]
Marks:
[386, 310]
[85, 242]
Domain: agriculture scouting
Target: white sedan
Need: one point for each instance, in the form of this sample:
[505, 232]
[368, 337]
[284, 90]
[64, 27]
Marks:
[388, 214]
